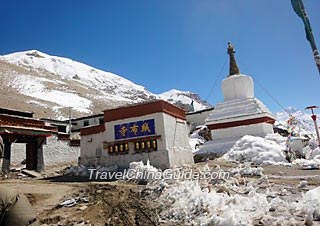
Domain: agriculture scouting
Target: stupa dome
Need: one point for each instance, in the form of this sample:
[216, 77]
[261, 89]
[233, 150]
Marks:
[237, 87]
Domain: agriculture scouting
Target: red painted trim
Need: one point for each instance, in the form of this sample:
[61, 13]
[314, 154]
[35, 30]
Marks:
[92, 130]
[63, 136]
[26, 134]
[20, 121]
[144, 109]
[241, 123]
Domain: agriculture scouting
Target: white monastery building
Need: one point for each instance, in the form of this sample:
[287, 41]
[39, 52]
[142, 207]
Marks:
[240, 114]
[155, 131]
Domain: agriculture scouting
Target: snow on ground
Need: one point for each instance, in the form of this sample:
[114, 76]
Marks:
[69, 69]
[195, 140]
[140, 172]
[83, 171]
[247, 170]
[34, 87]
[310, 203]
[54, 152]
[42, 105]
[257, 150]
[195, 143]
[69, 74]
[201, 207]
[235, 201]
[268, 150]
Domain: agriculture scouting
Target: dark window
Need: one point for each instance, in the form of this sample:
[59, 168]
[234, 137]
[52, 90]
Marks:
[62, 129]
[101, 121]
[85, 122]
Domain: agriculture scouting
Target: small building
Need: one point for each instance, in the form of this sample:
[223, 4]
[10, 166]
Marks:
[198, 118]
[78, 123]
[61, 125]
[20, 127]
[155, 131]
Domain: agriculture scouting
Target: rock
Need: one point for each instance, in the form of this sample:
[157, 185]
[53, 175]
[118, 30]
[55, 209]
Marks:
[82, 208]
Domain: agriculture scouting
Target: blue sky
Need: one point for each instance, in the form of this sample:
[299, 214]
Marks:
[180, 44]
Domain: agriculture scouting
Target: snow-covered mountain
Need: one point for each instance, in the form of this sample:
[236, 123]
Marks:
[49, 85]
[304, 125]
[184, 99]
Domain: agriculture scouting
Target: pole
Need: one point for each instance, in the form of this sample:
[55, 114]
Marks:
[69, 122]
[314, 118]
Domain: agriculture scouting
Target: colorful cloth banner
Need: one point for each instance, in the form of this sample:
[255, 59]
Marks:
[302, 13]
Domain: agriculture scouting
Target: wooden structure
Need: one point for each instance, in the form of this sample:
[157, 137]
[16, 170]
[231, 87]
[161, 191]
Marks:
[20, 127]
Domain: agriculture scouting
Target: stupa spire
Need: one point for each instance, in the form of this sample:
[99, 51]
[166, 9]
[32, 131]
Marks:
[233, 69]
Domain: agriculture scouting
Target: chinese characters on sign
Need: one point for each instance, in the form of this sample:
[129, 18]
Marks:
[134, 129]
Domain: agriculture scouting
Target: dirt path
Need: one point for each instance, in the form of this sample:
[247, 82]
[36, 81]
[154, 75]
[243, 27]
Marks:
[42, 195]
[115, 203]
[108, 203]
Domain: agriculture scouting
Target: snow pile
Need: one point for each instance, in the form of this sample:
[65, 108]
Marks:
[142, 173]
[307, 164]
[83, 171]
[234, 201]
[312, 160]
[190, 205]
[312, 156]
[196, 140]
[310, 203]
[312, 153]
[256, 150]
[282, 141]
[247, 170]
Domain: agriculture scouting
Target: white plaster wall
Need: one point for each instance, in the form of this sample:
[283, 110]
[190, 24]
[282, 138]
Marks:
[92, 121]
[157, 158]
[260, 129]
[177, 141]
[237, 86]
[159, 127]
[224, 139]
[239, 109]
[165, 125]
[90, 144]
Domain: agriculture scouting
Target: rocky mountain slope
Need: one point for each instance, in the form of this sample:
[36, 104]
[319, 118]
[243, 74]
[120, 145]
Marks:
[49, 85]
[183, 99]
[303, 123]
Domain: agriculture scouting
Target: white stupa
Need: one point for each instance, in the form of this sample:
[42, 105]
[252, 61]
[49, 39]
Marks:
[240, 114]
